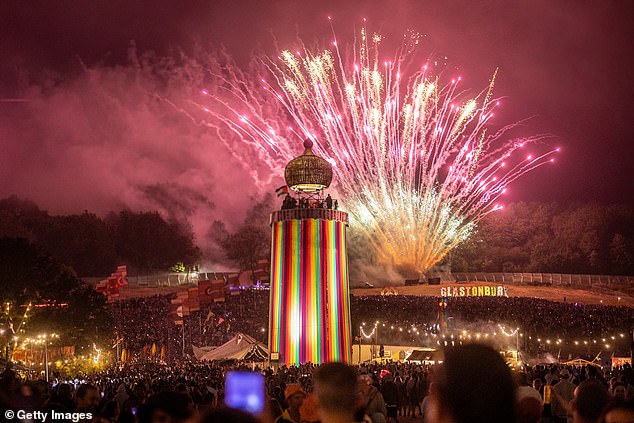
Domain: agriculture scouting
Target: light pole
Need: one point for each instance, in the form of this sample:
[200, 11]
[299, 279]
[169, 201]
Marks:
[517, 345]
[360, 335]
[183, 339]
[46, 358]
[44, 338]
[377, 340]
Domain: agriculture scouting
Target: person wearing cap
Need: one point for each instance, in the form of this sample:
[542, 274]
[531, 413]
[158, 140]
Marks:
[390, 395]
[294, 396]
[562, 394]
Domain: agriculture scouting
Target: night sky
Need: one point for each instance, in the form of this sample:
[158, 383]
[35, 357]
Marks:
[567, 66]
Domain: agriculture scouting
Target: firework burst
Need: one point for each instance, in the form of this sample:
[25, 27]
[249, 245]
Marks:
[413, 161]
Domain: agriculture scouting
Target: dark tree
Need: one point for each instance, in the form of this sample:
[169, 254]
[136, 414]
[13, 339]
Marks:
[148, 242]
[83, 242]
[251, 242]
[246, 246]
[621, 253]
[65, 305]
[12, 227]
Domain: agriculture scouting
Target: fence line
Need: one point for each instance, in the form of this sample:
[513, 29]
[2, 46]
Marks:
[172, 279]
[618, 283]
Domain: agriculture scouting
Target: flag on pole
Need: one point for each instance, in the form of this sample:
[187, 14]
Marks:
[117, 341]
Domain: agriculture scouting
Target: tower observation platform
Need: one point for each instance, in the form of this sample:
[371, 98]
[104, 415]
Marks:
[310, 213]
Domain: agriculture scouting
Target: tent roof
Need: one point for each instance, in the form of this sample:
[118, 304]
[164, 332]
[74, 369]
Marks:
[240, 347]
[425, 355]
[199, 352]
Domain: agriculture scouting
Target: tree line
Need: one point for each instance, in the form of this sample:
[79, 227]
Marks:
[522, 237]
[94, 246]
[551, 238]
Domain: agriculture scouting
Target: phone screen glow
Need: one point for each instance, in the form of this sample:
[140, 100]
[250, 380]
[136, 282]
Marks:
[245, 391]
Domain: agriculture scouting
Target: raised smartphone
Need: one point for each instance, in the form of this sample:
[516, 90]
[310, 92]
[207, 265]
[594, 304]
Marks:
[245, 391]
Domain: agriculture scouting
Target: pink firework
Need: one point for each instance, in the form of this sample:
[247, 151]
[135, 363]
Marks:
[414, 162]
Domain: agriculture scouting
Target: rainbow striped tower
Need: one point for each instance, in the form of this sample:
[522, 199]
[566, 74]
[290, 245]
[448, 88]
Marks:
[309, 313]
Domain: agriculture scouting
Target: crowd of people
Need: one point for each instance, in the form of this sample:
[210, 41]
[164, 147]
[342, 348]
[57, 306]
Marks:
[139, 321]
[537, 318]
[143, 321]
[139, 390]
[290, 202]
[473, 384]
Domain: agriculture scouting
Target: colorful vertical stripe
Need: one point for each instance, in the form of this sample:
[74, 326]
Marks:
[309, 314]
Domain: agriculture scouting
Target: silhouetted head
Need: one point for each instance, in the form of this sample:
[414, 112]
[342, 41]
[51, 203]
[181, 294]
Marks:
[590, 399]
[336, 389]
[225, 415]
[473, 385]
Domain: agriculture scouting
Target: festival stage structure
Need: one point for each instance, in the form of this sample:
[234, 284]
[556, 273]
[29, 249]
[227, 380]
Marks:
[309, 313]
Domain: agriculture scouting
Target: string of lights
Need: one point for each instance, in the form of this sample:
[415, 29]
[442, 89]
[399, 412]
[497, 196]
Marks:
[16, 333]
[464, 334]
[98, 353]
[371, 333]
[508, 333]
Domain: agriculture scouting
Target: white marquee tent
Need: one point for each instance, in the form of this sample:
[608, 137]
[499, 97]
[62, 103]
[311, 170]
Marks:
[240, 347]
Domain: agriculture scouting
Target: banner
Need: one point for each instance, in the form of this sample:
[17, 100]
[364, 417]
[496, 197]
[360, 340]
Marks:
[112, 285]
[176, 311]
[183, 297]
[211, 291]
[621, 361]
[193, 299]
[474, 291]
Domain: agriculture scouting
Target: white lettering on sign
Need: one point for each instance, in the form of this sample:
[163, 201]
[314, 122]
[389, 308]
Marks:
[474, 291]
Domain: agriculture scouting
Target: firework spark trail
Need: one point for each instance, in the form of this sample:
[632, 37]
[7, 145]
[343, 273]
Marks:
[413, 161]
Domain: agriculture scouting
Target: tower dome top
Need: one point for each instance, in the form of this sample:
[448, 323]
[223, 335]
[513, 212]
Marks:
[308, 173]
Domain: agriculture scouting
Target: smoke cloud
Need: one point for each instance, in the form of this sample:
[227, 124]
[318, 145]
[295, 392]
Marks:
[108, 139]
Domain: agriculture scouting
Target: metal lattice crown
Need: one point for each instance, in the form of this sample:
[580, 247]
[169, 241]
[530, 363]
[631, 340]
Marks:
[308, 173]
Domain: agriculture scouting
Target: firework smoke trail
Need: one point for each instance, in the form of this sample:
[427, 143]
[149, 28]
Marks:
[413, 161]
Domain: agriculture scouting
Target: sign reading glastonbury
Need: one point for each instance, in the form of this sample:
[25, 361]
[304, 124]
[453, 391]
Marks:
[474, 291]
